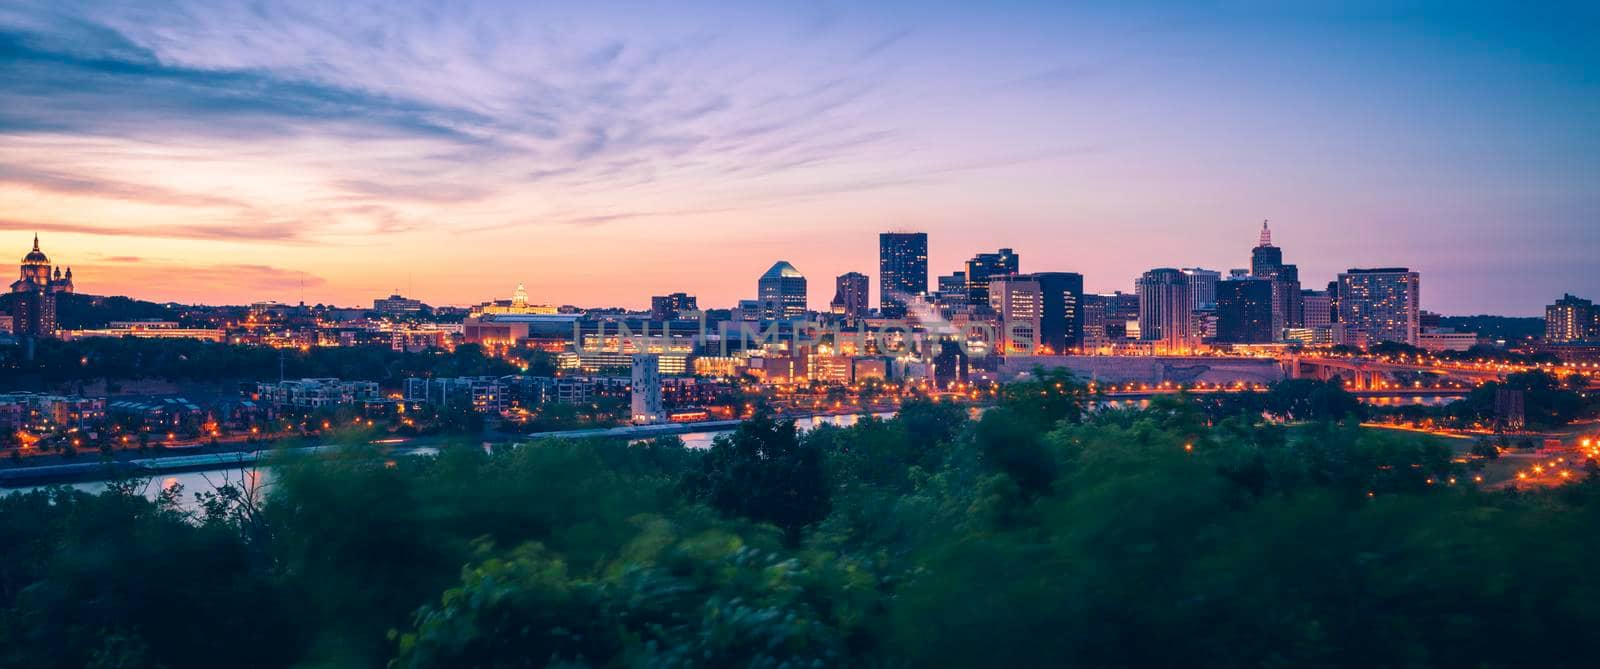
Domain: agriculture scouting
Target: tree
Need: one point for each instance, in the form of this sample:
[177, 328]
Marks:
[764, 472]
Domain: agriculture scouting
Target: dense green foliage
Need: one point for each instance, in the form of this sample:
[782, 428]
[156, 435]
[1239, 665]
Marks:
[1040, 534]
[77, 311]
[1548, 403]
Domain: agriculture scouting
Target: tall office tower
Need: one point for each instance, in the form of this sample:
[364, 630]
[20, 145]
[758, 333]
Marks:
[1379, 305]
[1204, 284]
[984, 267]
[1018, 303]
[1266, 262]
[1318, 307]
[902, 270]
[782, 292]
[850, 295]
[1165, 307]
[1244, 312]
[668, 307]
[1571, 318]
[1060, 311]
[1093, 310]
[646, 389]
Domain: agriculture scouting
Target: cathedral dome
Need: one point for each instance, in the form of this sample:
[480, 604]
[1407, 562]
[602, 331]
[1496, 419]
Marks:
[35, 257]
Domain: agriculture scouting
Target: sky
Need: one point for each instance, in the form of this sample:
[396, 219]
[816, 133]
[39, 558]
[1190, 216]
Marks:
[601, 152]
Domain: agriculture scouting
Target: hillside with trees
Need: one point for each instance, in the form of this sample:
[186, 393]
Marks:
[1041, 534]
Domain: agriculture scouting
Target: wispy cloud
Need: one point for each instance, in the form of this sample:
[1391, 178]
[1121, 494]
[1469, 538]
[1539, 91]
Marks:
[482, 110]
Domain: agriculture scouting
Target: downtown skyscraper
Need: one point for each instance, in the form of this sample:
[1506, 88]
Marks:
[902, 270]
[782, 292]
[1166, 310]
[986, 266]
[1266, 262]
[850, 295]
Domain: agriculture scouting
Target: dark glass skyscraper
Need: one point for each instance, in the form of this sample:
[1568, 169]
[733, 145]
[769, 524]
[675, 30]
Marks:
[985, 266]
[850, 295]
[902, 270]
[1060, 311]
[1244, 312]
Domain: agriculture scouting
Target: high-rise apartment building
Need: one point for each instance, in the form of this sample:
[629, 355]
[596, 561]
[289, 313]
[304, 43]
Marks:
[1379, 305]
[1571, 318]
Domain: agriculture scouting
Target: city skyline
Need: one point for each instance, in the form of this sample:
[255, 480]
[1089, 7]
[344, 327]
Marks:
[219, 154]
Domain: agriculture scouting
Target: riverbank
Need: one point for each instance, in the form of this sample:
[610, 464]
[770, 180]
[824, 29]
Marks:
[133, 465]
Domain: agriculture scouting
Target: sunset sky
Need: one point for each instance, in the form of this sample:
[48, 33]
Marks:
[600, 152]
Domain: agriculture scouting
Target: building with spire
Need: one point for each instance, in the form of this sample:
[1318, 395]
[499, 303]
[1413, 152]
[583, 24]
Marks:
[34, 301]
[1266, 262]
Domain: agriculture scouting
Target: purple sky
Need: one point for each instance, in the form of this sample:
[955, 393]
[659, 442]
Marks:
[601, 152]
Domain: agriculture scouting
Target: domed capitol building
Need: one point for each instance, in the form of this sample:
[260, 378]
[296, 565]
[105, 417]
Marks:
[34, 306]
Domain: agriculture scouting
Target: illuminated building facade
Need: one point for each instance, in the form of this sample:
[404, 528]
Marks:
[518, 304]
[1571, 318]
[34, 294]
[1318, 309]
[1379, 305]
[1165, 307]
[1018, 302]
[646, 390]
[782, 292]
[672, 306]
[396, 305]
[1203, 283]
[902, 270]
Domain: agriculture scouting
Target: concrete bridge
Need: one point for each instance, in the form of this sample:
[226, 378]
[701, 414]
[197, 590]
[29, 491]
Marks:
[1365, 374]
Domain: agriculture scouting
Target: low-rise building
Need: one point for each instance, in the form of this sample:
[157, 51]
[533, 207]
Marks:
[311, 394]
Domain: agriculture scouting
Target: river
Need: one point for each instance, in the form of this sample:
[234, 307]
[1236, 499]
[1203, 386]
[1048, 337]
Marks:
[202, 481]
[261, 478]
